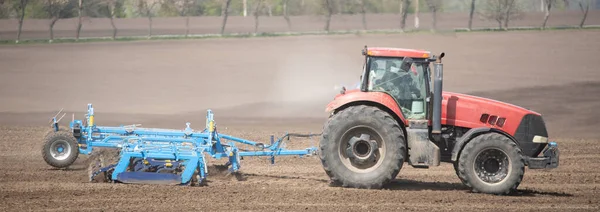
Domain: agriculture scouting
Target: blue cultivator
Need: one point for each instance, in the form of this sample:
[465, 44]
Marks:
[155, 156]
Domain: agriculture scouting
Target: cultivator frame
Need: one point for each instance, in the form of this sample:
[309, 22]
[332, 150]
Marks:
[160, 156]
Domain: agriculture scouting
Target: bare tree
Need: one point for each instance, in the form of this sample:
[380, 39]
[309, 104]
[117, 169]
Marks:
[245, 7]
[269, 6]
[55, 10]
[405, 4]
[111, 9]
[584, 11]
[417, 14]
[146, 8]
[434, 5]
[79, 11]
[363, 11]
[225, 13]
[328, 5]
[183, 8]
[501, 11]
[286, 14]
[471, 11]
[256, 14]
[547, 6]
[19, 8]
[510, 5]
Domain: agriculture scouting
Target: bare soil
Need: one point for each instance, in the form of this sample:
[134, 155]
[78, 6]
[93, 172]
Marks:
[263, 86]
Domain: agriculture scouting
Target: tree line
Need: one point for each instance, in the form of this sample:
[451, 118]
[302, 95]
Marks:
[500, 11]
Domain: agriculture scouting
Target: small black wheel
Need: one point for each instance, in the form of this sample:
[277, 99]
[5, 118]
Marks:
[60, 149]
[362, 147]
[491, 163]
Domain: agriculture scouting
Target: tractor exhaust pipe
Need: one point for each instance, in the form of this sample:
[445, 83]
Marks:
[438, 68]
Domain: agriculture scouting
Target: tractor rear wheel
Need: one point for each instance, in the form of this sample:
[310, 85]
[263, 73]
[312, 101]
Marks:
[491, 163]
[362, 147]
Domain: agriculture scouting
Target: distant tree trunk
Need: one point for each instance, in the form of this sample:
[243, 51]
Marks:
[79, 11]
[509, 6]
[112, 23]
[471, 14]
[225, 13]
[499, 23]
[187, 25]
[363, 11]
[585, 12]
[52, 22]
[22, 5]
[245, 5]
[286, 15]
[416, 14]
[434, 21]
[404, 12]
[329, 7]
[256, 14]
[149, 25]
[400, 7]
[270, 9]
[547, 8]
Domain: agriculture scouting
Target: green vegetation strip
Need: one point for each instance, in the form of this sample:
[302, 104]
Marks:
[281, 34]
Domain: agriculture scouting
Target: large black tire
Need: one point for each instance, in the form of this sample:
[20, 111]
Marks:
[456, 171]
[497, 158]
[382, 128]
[60, 149]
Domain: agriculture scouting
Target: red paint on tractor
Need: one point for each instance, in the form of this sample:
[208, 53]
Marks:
[459, 110]
[355, 95]
[397, 52]
[465, 111]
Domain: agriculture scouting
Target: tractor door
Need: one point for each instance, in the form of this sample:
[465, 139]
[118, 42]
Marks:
[408, 86]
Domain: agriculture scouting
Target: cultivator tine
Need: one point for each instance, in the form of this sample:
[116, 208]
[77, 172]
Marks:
[272, 156]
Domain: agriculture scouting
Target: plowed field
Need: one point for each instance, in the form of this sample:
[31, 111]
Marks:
[263, 86]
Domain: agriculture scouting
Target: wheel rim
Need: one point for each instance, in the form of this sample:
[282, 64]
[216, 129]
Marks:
[361, 149]
[60, 150]
[492, 166]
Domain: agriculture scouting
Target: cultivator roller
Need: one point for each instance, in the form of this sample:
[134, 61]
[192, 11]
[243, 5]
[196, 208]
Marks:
[154, 156]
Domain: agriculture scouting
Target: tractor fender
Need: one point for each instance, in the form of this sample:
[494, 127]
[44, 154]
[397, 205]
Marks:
[472, 133]
[377, 99]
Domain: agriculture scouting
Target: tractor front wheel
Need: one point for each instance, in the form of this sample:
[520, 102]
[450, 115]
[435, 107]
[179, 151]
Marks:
[491, 163]
[362, 147]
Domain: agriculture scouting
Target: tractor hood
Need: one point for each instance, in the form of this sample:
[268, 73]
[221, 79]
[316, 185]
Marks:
[472, 112]
[525, 126]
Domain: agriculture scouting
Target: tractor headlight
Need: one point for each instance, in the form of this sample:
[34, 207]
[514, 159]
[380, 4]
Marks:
[540, 139]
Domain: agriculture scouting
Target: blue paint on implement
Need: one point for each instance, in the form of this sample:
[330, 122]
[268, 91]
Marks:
[167, 156]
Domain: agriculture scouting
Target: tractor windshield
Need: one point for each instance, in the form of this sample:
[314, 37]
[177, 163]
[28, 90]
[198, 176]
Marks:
[407, 87]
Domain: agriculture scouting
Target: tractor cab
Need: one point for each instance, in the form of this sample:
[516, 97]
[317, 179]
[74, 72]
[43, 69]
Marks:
[404, 74]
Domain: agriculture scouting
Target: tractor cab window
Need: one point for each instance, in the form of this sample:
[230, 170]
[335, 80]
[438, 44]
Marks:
[407, 87]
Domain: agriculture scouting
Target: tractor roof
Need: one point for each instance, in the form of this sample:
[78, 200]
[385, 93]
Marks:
[397, 52]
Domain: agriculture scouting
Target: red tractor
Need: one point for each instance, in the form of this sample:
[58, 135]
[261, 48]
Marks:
[399, 113]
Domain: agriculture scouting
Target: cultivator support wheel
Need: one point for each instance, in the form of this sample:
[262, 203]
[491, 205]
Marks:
[60, 149]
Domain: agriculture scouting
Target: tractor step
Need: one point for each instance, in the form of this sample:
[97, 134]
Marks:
[149, 178]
